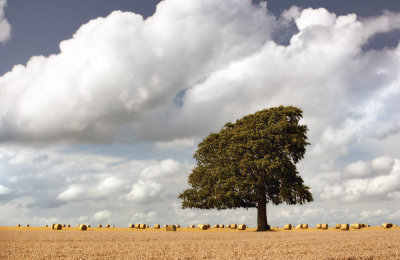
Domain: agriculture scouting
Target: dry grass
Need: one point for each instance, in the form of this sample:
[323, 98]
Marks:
[126, 243]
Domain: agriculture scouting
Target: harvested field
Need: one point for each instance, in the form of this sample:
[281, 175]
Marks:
[126, 243]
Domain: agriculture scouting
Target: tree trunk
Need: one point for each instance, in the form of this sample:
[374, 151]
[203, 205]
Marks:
[262, 223]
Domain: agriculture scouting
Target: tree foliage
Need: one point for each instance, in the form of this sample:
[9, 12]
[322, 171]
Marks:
[250, 162]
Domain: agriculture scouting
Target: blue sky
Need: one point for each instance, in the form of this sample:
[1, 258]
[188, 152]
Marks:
[91, 130]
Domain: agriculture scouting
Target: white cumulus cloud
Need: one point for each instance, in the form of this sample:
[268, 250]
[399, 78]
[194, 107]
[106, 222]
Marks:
[5, 27]
[4, 190]
[143, 191]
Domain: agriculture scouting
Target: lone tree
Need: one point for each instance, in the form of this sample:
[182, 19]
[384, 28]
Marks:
[250, 163]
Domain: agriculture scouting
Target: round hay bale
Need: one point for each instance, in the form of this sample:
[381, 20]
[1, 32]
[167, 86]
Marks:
[156, 226]
[356, 225]
[216, 226]
[324, 226]
[387, 225]
[132, 226]
[338, 226]
[88, 226]
[298, 226]
[57, 226]
[137, 226]
[165, 226]
[304, 226]
[108, 225]
[344, 227]
[99, 225]
[192, 226]
[233, 226]
[202, 227]
[222, 226]
[142, 226]
[318, 226]
[45, 225]
[179, 226]
[27, 225]
[288, 227]
[18, 225]
[82, 227]
[242, 227]
[228, 226]
[170, 228]
[68, 225]
[363, 225]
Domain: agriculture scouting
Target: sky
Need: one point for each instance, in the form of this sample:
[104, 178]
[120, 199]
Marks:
[103, 103]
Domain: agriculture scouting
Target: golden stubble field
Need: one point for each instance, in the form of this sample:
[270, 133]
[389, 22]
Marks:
[125, 243]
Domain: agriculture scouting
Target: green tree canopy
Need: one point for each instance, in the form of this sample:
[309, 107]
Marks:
[250, 163]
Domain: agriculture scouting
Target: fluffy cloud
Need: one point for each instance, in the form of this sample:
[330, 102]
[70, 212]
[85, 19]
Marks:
[5, 27]
[102, 215]
[121, 69]
[4, 190]
[78, 186]
[376, 180]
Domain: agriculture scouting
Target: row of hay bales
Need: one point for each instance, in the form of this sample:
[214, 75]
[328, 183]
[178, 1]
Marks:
[139, 226]
[230, 226]
[106, 226]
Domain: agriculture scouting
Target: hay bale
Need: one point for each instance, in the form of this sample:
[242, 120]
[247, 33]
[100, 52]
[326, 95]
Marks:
[338, 226]
[88, 226]
[394, 225]
[192, 226]
[99, 225]
[82, 227]
[324, 226]
[304, 226]
[132, 226]
[68, 225]
[318, 226]
[216, 226]
[27, 225]
[222, 226]
[170, 228]
[57, 226]
[202, 226]
[233, 226]
[344, 227]
[179, 226]
[228, 226]
[45, 225]
[242, 227]
[156, 226]
[108, 225]
[298, 226]
[356, 225]
[64, 225]
[287, 227]
[363, 225]
[387, 225]
[18, 225]
[142, 226]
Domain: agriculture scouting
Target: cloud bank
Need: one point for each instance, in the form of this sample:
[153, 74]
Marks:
[173, 78]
